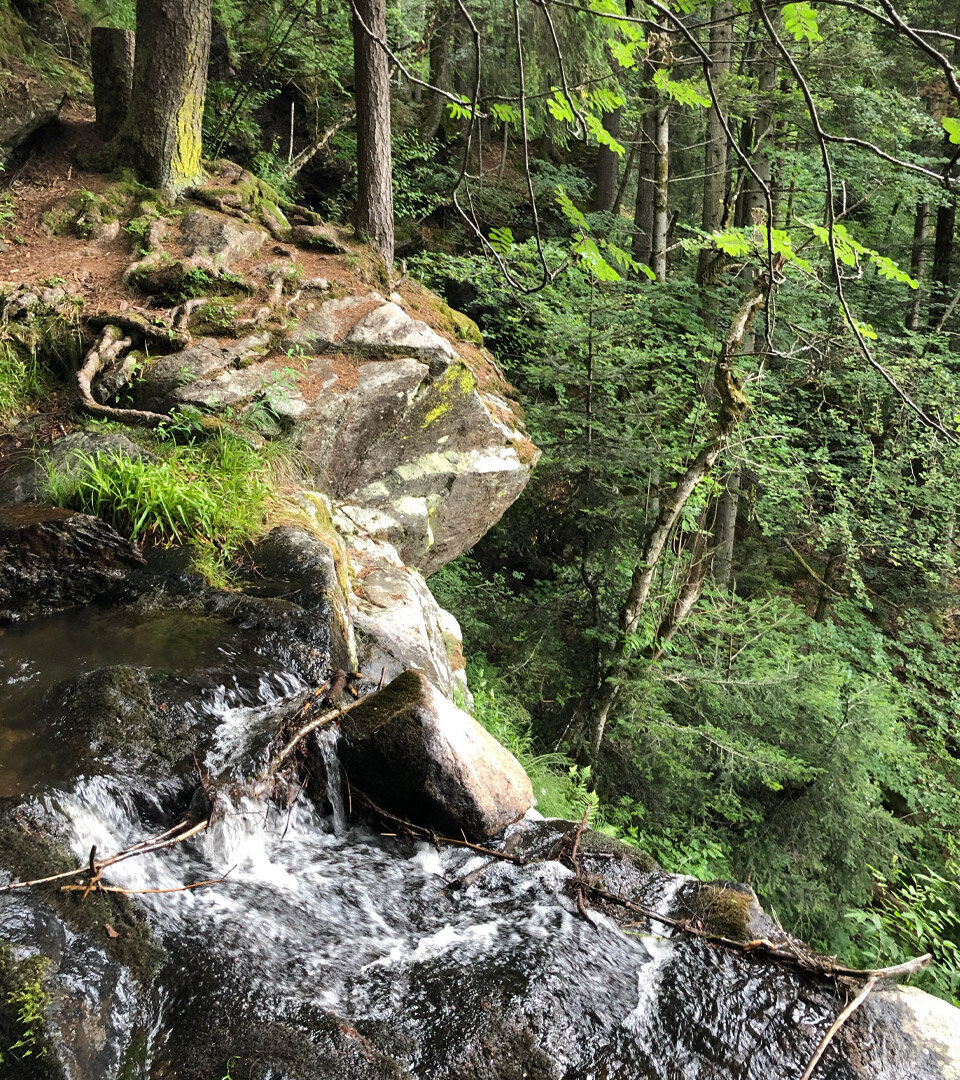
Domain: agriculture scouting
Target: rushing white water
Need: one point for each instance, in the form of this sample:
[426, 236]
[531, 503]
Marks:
[444, 953]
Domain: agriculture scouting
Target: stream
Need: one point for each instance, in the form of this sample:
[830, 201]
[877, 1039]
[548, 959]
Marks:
[328, 949]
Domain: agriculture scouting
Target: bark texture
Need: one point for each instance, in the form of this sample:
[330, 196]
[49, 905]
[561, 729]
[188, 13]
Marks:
[372, 88]
[162, 134]
[608, 165]
[111, 59]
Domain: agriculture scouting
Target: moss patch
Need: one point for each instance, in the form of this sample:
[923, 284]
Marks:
[725, 910]
[28, 854]
[458, 381]
[24, 1045]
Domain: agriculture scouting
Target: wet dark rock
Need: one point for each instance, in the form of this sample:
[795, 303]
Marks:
[53, 559]
[418, 756]
[26, 481]
[294, 563]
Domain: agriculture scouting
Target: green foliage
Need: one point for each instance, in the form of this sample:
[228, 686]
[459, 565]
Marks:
[23, 999]
[560, 787]
[913, 913]
[801, 20]
[23, 378]
[211, 495]
[420, 184]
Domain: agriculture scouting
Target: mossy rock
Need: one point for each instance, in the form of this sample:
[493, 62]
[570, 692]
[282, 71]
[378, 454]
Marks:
[457, 325]
[25, 1048]
[28, 852]
[726, 909]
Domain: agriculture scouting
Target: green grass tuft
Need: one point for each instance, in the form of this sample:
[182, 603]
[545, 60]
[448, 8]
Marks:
[212, 495]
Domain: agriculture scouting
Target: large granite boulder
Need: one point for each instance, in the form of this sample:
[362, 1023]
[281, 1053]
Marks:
[427, 448]
[420, 757]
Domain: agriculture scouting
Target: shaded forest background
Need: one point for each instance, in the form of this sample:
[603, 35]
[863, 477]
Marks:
[714, 247]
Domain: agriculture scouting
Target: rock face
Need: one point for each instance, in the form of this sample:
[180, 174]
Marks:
[52, 559]
[427, 761]
[427, 450]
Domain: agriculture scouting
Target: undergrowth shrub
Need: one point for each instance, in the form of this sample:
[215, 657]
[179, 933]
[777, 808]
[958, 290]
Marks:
[212, 495]
[23, 379]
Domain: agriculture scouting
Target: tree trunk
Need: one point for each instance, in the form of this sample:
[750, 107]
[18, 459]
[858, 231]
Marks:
[918, 262]
[440, 41]
[716, 150]
[111, 60]
[646, 182]
[661, 197]
[608, 164]
[942, 258]
[732, 408]
[161, 137]
[372, 91]
[727, 506]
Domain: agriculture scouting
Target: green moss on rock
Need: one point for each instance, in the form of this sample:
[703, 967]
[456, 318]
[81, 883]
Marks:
[25, 1050]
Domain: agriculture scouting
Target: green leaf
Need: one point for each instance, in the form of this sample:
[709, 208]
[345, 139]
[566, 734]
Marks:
[507, 113]
[603, 137]
[570, 211]
[732, 242]
[560, 107]
[501, 240]
[801, 20]
[460, 110]
[624, 52]
[590, 256]
[625, 260]
[952, 128]
[866, 330]
[683, 91]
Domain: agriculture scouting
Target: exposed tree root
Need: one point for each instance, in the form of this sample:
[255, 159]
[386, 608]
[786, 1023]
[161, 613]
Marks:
[104, 353]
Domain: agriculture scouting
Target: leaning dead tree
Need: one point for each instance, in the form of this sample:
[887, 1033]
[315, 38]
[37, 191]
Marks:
[731, 409]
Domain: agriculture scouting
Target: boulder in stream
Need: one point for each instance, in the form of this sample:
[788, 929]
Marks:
[418, 756]
[53, 559]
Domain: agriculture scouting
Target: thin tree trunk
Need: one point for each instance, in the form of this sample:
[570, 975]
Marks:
[440, 41]
[161, 137]
[646, 182]
[715, 150]
[608, 164]
[727, 506]
[732, 408]
[372, 91]
[111, 61]
[918, 262]
[625, 178]
[661, 206]
[942, 258]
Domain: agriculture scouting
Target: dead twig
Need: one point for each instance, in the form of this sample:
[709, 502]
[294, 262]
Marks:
[440, 840]
[838, 1024]
[819, 965]
[85, 889]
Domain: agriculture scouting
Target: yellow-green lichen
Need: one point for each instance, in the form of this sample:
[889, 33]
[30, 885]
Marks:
[456, 382]
[185, 167]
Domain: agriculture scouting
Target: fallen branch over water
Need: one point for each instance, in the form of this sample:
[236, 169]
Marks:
[838, 1024]
[189, 827]
[435, 837]
[787, 951]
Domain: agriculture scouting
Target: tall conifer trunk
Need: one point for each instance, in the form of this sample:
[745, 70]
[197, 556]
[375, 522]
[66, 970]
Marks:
[372, 89]
[161, 137]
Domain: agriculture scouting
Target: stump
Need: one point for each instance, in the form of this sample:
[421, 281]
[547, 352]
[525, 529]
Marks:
[111, 56]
